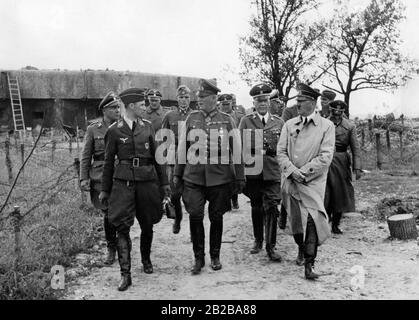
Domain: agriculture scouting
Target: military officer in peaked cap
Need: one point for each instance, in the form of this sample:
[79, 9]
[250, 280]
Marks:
[340, 196]
[325, 99]
[154, 112]
[226, 106]
[172, 120]
[212, 178]
[277, 102]
[92, 159]
[132, 185]
[305, 151]
[263, 188]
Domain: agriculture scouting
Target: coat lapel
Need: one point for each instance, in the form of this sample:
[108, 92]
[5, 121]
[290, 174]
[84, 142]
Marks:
[256, 121]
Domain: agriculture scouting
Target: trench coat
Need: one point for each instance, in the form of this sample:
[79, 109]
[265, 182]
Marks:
[308, 148]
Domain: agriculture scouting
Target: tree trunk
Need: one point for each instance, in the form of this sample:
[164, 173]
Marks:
[402, 226]
[379, 154]
[347, 99]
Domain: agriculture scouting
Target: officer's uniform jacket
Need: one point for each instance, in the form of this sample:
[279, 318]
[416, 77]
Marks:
[154, 116]
[236, 115]
[268, 151]
[214, 172]
[172, 118]
[126, 145]
[346, 136]
[93, 154]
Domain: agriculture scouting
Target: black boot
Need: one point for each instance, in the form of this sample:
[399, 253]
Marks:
[300, 258]
[282, 218]
[145, 248]
[235, 201]
[216, 234]
[257, 222]
[179, 215]
[198, 243]
[110, 235]
[336, 216]
[270, 234]
[308, 271]
[124, 258]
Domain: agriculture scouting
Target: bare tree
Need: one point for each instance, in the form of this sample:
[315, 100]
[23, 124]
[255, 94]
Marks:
[364, 49]
[281, 45]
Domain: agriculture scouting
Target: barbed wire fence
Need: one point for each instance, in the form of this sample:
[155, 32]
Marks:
[389, 144]
[40, 196]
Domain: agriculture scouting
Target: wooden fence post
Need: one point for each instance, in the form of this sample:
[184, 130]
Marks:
[378, 147]
[8, 161]
[77, 168]
[401, 144]
[16, 222]
[363, 135]
[370, 128]
[388, 140]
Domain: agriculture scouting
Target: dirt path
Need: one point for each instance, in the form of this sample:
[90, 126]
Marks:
[391, 266]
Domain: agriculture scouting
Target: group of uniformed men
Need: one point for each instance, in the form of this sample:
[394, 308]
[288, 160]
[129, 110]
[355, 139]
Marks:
[303, 179]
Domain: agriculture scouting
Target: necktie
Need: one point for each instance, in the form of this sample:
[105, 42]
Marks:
[134, 125]
[263, 121]
[305, 120]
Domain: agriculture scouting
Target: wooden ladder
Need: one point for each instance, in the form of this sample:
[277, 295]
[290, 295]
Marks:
[16, 103]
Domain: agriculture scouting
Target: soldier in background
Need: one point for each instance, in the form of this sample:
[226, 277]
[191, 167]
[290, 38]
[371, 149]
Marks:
[277, 103]
[93, 156]
[263, 189]
[238, 107]
[226, 106]
[154, 112]
[132, 185]
[172, 120]
[209, 181]
[325, 99]
[340, 196]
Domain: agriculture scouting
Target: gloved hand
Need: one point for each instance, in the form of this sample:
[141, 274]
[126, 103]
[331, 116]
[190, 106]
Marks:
[298, 176]
[177, 181]
[103, 197]
[85, 185]
[166, 190]
[358, 174]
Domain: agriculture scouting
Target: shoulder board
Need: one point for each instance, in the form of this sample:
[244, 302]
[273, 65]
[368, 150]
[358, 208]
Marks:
[195, 111]
[146, 121]
[113, 124]
[275, 116]
[225, 114]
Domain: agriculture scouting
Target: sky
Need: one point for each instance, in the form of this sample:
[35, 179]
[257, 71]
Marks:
[197, 38]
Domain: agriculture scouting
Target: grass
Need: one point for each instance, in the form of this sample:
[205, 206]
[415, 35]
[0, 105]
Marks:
[55, 224]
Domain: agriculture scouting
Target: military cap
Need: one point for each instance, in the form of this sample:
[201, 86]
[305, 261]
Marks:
[307, 92]
[276, 96]
[154, 93]
[225, 97]
[328, 94]
[183, 90]
[132, 95]
[261, 89]
[338, 104]
[207, 88]
[110, 98]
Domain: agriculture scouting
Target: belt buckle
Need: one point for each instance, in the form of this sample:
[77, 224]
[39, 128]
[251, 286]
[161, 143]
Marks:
[135, 162]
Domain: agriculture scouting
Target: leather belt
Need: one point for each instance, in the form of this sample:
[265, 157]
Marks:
[136, 162]
[99, 158]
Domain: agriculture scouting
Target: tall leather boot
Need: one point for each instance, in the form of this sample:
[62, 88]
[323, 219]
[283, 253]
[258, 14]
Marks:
[336, 216]
[310, 252]
[216, 234]
[299, 240]
[282, 217]
[235, 201]
[198, 244]
[124, 258]
[179, 215]
[257, 222]
[110, 235]
[270, 234]
[146, 240]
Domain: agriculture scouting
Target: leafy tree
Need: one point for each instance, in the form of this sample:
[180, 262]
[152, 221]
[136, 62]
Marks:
[363, 48]
[282, 44]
